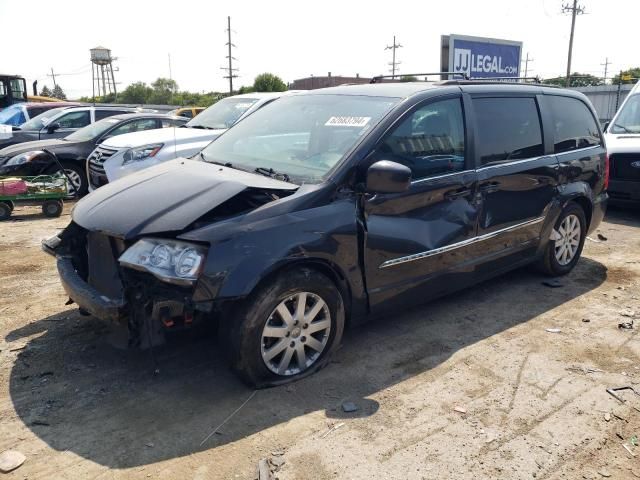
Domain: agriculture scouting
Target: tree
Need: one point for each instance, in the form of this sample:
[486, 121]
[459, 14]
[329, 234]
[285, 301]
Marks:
[57, 92]
[244, 89]
[575, 80]
[268, 82]
[138, 92]
[408, 78]
[633, 72]
[163, 91]
[45, 92]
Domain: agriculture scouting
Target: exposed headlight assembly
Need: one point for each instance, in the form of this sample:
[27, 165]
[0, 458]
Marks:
[23, 157]
[140, 153]
[172, 261]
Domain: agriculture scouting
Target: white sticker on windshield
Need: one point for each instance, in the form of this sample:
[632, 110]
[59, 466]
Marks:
[348, 122]
[243, 106]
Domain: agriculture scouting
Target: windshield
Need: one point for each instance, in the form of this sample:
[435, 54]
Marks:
[92, 131]
[628, 120]
[12, 115]
[222, 114]
[301, 136]
[36, 123]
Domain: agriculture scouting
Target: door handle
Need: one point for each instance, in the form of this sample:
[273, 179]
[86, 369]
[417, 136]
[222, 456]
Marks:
[453, 194]
[490, 187]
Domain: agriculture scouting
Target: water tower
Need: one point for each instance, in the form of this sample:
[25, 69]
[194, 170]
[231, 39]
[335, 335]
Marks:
[101, 64]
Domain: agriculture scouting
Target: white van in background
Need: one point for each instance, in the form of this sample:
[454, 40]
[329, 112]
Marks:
[122, 155]
[622, 135]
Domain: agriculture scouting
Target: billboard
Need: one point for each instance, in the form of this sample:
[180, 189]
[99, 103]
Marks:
[480, 57]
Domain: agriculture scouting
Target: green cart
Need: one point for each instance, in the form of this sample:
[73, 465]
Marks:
[46, 190]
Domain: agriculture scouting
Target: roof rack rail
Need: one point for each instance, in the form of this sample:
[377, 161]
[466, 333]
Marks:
[379, 78]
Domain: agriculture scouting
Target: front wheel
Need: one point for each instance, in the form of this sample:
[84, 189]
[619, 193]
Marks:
[287, 329]
[567, 239]
[77, 182]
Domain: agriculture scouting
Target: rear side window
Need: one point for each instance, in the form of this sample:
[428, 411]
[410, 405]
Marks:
[74, 119]
[507, 129]
[573, 124]
[100, 114]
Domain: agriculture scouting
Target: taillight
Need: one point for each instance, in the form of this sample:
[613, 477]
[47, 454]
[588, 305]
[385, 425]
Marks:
[606, 171]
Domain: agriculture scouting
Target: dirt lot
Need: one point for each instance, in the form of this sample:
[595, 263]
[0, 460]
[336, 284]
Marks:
[532, 403]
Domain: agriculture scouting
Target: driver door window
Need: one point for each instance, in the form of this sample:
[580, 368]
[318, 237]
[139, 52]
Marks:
[74, 120]
[430, 141]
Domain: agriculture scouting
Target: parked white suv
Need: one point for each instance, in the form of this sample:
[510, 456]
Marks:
[125, 154]
[622, 136]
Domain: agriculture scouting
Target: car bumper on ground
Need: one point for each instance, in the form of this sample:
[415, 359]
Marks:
[624, 192]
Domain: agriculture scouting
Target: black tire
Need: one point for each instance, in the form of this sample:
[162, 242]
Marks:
[52, 208]
[11, 204]
[5, 210]
[77, 168]
[243, 337]
[549, 264]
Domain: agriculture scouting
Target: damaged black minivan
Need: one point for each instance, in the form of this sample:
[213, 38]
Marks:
[328, 206]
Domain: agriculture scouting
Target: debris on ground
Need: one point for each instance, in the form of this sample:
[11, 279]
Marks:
[264, 473]
[626, 325]
[585, 370]
[604, 473]
[634, 441]
[459, 409]
[553, 283]
[17, 347]
[277, 462]
[586, 320]
[277, 453]
[613, 392]
[602, 237]
[10, 460]
[607, 417]
[349, 407]
[553, 330]
[332, 429]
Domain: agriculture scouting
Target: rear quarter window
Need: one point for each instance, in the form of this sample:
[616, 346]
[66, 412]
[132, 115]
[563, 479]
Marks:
[573, 124]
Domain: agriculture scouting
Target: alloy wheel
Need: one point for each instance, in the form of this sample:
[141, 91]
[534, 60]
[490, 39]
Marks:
[295, 334]
[76, 181]
[567, 239]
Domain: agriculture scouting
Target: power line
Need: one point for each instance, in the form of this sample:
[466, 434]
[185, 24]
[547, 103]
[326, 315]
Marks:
[393, 63]
[575, 10]
[230, 70]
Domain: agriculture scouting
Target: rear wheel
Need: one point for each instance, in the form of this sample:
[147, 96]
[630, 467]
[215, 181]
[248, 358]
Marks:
[5, 210]
[567, 239]
[287, 329]
[52, 208]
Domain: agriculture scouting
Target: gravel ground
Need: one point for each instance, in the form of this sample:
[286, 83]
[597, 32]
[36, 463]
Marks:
[470, 386]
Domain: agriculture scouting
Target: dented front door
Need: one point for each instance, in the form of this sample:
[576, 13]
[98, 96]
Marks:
[418, 244]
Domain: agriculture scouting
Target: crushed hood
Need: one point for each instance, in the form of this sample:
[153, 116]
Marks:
[165, 198]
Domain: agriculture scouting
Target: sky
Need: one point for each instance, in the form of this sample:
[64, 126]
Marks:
[295, 39]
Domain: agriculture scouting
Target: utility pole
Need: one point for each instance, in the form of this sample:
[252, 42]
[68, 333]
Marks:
[526, 65]
[606, 68]
[170, 76]
[230, 70]
[53, 75]
[393, 63]
[575, 10]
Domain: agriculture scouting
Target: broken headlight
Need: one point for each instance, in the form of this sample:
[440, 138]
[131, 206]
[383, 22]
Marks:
[170, 260]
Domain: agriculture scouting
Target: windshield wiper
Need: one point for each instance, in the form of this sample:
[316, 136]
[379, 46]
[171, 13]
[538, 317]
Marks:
[199, 126]
[270, 172]
[623, 128]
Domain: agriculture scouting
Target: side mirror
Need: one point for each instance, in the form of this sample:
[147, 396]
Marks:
[53, 127]
[385, 176]
[605, 127]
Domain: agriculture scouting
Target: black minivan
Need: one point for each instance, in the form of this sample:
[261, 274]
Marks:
[329, 206]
